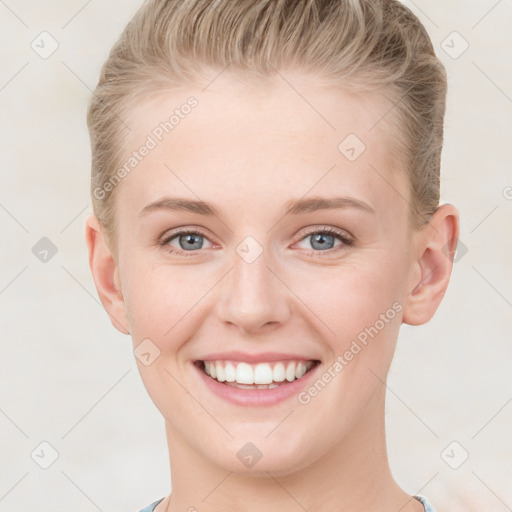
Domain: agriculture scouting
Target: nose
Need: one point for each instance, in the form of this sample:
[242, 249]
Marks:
[253, 298]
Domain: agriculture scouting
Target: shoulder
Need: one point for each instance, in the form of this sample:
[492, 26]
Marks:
[151, 507]
[426, 504]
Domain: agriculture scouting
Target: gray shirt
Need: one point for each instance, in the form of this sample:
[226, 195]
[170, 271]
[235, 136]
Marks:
[428, 507]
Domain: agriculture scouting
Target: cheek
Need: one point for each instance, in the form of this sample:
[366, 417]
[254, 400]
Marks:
[351, 297]
[342, 300]
[361, 305]
[158, 297]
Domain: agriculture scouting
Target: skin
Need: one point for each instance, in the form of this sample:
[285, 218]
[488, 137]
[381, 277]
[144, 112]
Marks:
[248, 151]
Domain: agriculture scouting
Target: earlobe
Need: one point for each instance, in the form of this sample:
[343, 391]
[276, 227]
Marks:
[105, 274]
[436, 249]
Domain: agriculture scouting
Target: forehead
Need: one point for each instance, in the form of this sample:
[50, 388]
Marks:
[281, 138]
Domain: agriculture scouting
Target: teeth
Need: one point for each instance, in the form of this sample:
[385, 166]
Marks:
[257, 386]
[261, 376]
[300, 370]
[279, 372]
[290, 372]
[220, 372]
[230, 372]
[244, 374]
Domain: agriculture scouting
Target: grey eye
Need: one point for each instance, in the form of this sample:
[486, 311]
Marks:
[191, 241]
[321, 241]
[187, 241]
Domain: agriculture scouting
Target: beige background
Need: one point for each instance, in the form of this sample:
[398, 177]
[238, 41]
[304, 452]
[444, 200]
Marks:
[69, 379]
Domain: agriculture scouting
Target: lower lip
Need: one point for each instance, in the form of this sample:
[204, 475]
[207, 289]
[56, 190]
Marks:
[256, 397]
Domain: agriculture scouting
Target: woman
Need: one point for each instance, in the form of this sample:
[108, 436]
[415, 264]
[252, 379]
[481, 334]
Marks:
[265, 182]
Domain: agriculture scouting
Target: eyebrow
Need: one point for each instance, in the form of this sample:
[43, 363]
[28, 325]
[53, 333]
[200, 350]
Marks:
[174, 203]
[324, 203]
[294, 207]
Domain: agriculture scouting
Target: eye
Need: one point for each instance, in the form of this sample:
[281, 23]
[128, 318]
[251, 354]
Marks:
[325, 239]
[185, 241]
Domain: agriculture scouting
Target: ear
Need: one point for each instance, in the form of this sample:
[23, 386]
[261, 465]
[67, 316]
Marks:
[436, 245]
[105, 274]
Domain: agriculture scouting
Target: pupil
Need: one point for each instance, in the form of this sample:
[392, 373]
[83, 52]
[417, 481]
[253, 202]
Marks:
[191, 241]
[323, 240]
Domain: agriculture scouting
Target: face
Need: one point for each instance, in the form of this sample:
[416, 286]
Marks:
[285, 245]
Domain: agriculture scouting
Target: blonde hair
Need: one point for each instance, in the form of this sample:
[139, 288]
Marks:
[359, 44]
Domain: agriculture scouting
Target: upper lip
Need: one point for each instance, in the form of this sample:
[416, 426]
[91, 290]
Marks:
[261, 357]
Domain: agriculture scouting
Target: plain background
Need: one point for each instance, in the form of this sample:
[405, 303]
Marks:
[70, 379]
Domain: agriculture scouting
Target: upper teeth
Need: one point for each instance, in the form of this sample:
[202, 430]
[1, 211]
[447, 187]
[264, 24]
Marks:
[261, 373]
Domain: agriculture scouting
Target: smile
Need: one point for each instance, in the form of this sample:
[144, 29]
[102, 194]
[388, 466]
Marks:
[264, 383]
[256, 376]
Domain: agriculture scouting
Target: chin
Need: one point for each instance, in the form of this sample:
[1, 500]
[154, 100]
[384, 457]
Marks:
[250, 459]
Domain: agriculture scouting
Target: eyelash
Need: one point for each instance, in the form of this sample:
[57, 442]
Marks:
[346, 241]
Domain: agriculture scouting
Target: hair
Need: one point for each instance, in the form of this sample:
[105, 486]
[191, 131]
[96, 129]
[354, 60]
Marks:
[361, 45]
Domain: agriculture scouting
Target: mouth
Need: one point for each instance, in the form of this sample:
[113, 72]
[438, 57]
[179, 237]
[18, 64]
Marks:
[263, 375]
